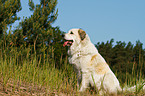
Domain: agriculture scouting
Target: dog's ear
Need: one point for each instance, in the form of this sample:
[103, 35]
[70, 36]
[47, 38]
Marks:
[82, 34]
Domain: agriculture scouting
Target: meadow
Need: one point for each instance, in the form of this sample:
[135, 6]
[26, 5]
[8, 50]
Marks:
[33, 61]
[23, 73]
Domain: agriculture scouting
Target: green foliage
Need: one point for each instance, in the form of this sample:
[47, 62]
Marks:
[8, 10]
[37, 32]
[124, 58]
[37, 28]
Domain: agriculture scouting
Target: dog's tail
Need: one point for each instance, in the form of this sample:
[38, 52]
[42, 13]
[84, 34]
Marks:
[136, 88]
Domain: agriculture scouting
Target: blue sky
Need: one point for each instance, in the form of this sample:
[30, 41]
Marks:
[123, 20]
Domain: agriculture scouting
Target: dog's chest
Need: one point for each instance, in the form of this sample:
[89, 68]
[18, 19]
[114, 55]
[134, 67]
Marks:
[75, 58]
[80, 60]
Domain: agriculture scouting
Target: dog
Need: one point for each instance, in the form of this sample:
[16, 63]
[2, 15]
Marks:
[90, 66]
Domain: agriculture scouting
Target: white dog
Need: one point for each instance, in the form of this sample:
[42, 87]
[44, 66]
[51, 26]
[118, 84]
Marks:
[91, 67]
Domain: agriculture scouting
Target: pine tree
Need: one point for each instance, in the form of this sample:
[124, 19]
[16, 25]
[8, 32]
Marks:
[119, 56]
[138, 51]
[36, 31]
[129, 50]
[139, 54]
[8, 10]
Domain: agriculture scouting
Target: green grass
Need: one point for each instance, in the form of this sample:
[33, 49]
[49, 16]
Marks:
[30, 76]
[27, 75]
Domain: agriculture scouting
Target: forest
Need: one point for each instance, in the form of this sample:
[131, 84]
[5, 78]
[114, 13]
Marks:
[32, 53]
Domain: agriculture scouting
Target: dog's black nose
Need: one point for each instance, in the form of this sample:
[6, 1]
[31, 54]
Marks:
[63, 35]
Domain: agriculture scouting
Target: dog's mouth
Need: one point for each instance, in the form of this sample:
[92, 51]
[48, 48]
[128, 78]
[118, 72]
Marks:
[68, 43]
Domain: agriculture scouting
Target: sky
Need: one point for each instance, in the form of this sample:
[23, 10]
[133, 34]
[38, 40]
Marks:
[122, 20]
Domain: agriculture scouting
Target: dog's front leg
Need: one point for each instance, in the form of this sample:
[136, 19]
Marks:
[85, 82]
[79, 78]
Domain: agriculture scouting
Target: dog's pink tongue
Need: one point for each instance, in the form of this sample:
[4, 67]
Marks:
[65, 43]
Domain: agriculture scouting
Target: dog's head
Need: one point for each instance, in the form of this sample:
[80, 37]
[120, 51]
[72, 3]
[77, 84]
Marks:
[74, 37]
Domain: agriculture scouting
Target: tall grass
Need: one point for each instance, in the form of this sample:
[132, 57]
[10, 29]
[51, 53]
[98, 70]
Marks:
[23, 73]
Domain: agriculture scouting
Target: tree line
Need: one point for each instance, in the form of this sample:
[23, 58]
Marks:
[36, 34]
[124, 58]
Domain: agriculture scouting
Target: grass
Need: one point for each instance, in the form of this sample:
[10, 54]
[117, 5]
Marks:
[27, 75]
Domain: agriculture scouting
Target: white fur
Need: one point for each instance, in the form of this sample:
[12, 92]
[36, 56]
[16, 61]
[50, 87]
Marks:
[91, 67]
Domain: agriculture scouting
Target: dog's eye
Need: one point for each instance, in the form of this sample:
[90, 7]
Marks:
[71, 32]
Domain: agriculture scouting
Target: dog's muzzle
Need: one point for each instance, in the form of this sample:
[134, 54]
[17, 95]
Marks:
[68, 43]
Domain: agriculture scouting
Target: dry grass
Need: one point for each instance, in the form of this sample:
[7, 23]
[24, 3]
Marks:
[31, 79]
[19, 88]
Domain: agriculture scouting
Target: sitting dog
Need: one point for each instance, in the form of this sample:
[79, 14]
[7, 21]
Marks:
[91, 67]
